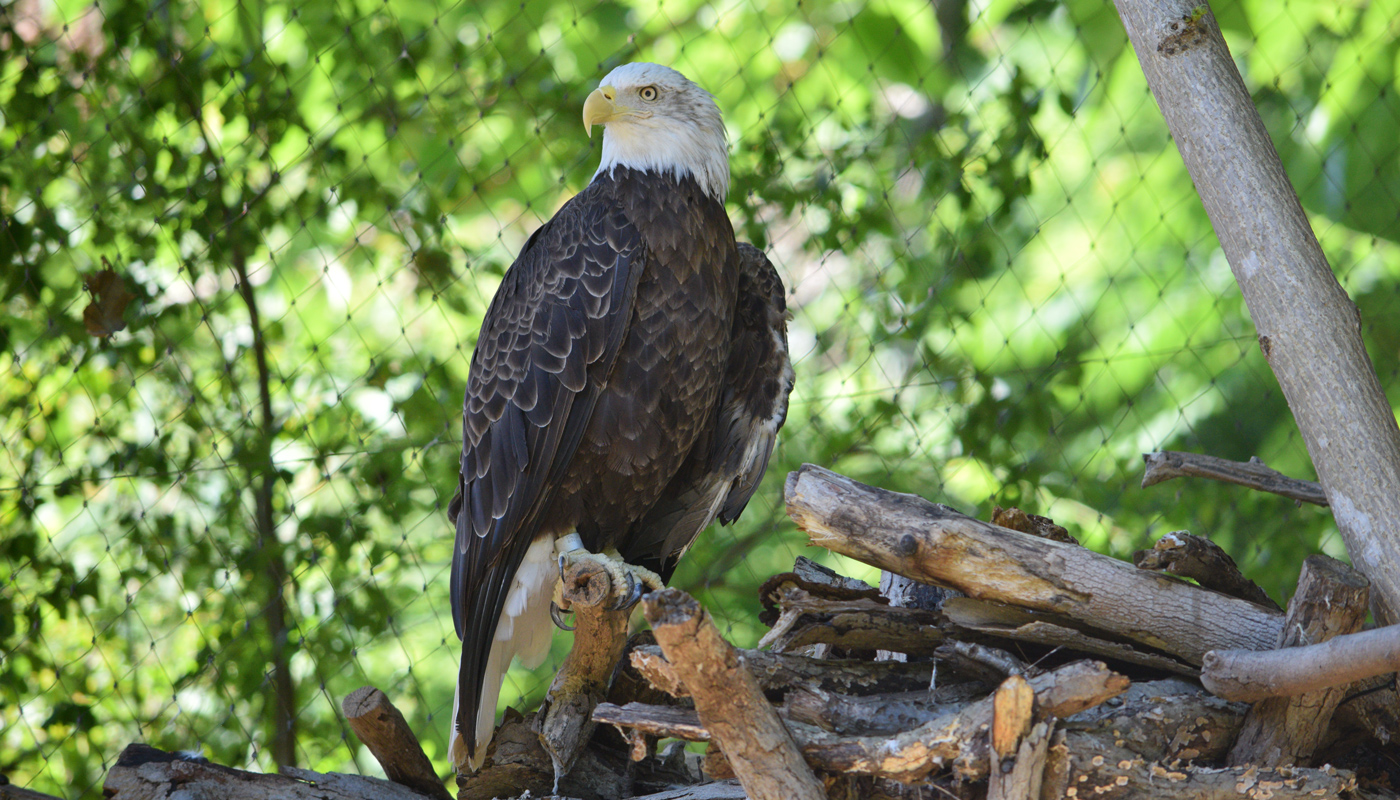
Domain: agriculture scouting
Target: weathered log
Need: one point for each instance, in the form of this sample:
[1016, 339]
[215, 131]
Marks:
[385, 732]
[1027, 769]
[902, 592]
[729, 700]
[145, 773]
[1280, 731]
[877, 714]
[858, 624]
[935, 544]
[675, 722]
[564, 721]
[989, 665]
[956, 737]
[1018, 624]
[1165, 721]
[1198, 558]
[778, 673]
[1252, 676]
[1253, 474]
[1081, 765]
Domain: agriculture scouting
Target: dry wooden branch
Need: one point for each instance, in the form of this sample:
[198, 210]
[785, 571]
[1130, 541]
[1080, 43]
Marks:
[1252, 474]
[956, 739]
[1202, 560]
[1023, 780]
[1280, 731]
[777, 673]
[1084, 766]
[1250, 676]
[852, 624]
[877, 714]
[729, 700]
[935, 544]
[1309, 329]
[902, 592]
[565, 722]
[1018, 624]
[384, 731]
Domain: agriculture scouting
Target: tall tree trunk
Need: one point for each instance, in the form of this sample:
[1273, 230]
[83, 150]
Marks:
[1308, 328]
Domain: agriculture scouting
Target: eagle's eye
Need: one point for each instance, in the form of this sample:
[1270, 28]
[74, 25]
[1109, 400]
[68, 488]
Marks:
[649, 93]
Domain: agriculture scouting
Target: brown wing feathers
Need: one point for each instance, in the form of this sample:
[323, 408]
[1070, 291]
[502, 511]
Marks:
[560, 314]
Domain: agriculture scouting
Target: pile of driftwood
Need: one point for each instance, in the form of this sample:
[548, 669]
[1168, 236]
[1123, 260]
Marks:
[997, 660]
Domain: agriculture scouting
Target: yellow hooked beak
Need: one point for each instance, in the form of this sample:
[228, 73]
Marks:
[600, 108]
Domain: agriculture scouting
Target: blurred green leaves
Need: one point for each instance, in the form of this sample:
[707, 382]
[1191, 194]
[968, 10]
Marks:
[1004, 291]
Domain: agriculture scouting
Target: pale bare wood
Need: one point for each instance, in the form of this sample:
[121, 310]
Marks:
[1309, 329]
[565, 721]
[1252, 676]
[1023, 780]
[385, 732]
[729, 700]
[1012, 707]
[1082, 765]
[935, 544]
[779, 672]
[1205, 562]
[1253, 474]
[1280, 731]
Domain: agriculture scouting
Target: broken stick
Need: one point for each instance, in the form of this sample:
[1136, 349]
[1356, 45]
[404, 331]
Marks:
[1168, 464]
[384, 731]
[1249, 676]
[1205, 562]
[729, 701]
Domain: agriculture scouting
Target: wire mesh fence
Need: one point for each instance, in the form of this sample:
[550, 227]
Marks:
[245, 248]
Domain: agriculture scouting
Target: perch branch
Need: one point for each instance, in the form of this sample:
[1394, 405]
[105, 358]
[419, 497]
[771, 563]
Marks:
[859, 624]
[384, 731]
[935, 544]
[564, 722]
[1252, 474]
[729, 700]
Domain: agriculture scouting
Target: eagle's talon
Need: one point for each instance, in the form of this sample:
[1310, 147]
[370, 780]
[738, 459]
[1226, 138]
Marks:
[556, 614]
[632, 596]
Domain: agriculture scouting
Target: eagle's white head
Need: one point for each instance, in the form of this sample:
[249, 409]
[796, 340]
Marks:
[654, 119]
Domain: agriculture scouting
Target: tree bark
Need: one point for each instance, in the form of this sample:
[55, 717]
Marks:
[777, 673]
[1309, 330]
[385, 732]
[1280, 731]
[935, 544]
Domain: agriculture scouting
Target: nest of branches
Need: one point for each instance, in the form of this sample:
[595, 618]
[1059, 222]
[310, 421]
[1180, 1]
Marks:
[997, 659]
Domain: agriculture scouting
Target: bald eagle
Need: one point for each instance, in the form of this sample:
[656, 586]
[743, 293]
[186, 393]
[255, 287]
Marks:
[627, 386]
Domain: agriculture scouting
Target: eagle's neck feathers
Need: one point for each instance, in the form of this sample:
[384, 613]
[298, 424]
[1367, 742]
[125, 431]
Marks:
[697, 151]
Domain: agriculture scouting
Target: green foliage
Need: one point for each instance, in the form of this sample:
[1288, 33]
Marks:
[1004, 291]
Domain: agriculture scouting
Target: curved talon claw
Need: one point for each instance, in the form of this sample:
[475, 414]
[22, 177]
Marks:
[633, 595]
[557, 615]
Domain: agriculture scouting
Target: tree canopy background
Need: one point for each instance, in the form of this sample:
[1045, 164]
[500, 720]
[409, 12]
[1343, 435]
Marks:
[245, 248]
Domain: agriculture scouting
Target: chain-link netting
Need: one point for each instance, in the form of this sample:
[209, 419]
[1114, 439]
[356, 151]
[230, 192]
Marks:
[245, 248]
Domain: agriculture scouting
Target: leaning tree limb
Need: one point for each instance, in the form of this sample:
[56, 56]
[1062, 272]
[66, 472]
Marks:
[935, 544]
[1309, 329]
[778, 673]
[1252, 474]
[729, 700]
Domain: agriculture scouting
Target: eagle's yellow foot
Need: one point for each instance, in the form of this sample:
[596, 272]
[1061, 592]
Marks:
[629, 582]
